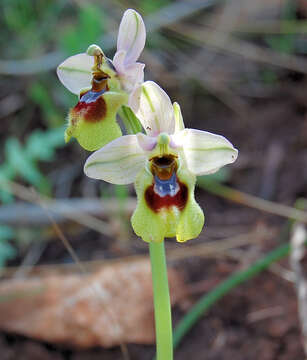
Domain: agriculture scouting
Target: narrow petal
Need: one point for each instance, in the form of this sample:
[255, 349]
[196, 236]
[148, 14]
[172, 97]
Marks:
[205, 152]
[75, 73]
[153, 107]
[119, 162]
[179, 124]
[131, 35]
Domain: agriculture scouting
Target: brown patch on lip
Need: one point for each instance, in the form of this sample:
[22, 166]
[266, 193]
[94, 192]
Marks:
[91, 112]
[157, 203]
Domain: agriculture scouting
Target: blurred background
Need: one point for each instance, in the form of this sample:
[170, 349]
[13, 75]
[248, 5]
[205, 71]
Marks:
[237, 68]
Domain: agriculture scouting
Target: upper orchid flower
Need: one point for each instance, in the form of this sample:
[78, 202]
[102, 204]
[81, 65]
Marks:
[163, 164]
[103, 85]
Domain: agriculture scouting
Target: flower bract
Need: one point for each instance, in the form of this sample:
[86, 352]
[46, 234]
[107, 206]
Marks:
[163, 164]
[102, 85]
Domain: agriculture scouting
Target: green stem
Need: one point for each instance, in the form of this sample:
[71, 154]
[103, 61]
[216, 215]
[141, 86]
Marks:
[163, 319]
[205, 302]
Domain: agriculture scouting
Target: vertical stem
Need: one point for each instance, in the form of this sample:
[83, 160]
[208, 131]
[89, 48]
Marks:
[163, 319]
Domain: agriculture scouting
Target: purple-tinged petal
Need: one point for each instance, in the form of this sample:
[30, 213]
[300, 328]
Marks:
[147, 143]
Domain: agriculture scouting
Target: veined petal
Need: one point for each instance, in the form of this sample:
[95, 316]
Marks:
[75, 73]
[153, 107]
[131, 35]
[118, 162]
[205, 152]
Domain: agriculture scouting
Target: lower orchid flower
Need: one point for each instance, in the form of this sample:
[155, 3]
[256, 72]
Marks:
[103, 85]
[163, 164]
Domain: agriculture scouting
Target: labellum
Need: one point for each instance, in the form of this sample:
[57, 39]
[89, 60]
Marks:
[93, 120]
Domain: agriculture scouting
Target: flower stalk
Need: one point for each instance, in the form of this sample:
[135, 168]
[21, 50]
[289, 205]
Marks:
[163, 319]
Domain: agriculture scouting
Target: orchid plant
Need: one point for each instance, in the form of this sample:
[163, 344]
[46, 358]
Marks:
[102, 85]
[162, 162]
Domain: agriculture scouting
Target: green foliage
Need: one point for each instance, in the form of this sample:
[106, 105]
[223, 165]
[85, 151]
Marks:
[149, 6]
[7, 251]
[39, 93]
[222, 176]
[284, 43]
[22, 160]
[88, 30]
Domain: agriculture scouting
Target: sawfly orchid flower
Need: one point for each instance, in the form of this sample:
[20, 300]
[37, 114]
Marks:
[163, 165]
[102, 85]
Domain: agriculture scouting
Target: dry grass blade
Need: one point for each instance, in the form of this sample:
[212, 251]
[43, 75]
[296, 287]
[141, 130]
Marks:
[82, 218]
[14, 214]
[207, 249]
[93, 288]
[254, 201]
[227, 43]
[298, 253]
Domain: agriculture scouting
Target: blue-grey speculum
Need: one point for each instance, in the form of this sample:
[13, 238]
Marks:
[166, 187]
[91, 96]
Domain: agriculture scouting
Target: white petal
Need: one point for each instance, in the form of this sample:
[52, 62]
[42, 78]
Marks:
[118, 162]
[205, 152]
[131, 35]
[153, 107]
[75, 73]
